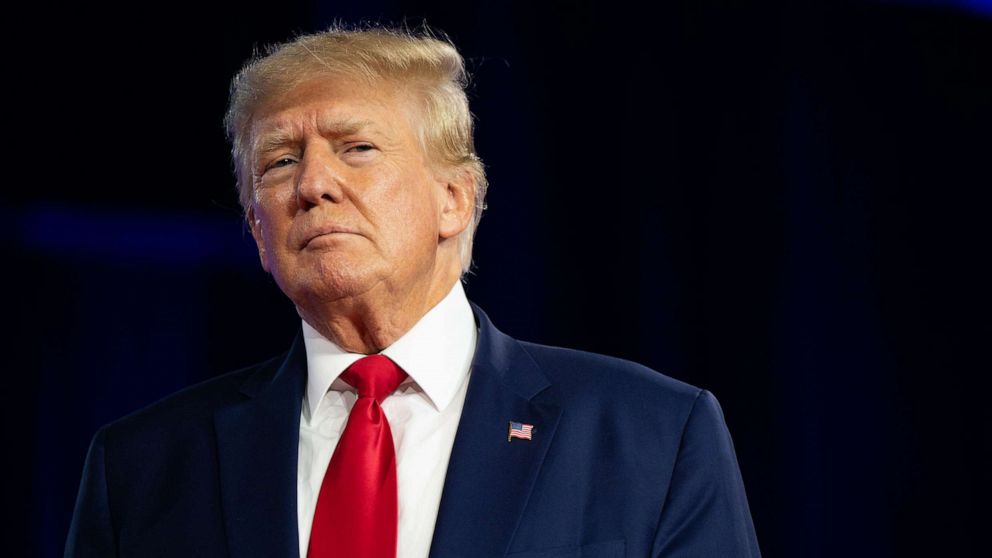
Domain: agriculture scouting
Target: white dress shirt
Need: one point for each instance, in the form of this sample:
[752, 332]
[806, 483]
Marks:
[423, 415]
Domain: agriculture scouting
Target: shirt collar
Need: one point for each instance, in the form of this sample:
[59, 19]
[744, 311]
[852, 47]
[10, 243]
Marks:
[436, 352]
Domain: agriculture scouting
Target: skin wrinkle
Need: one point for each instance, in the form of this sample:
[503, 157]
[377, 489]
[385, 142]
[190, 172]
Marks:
[290, 130]
[361, 290]
[283, 136]
[425, 67]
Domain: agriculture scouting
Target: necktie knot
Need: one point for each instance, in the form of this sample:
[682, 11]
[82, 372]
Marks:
[374, 376]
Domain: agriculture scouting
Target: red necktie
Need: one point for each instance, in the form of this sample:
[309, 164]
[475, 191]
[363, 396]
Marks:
[356, 510]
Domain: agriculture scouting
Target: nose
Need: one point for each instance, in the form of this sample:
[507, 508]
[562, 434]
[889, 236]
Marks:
[319, 179]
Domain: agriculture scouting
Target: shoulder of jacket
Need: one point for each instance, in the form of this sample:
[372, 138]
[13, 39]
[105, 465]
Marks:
[594, 371]
[196, 401]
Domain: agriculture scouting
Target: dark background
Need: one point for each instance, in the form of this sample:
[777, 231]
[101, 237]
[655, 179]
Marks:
[782, 202]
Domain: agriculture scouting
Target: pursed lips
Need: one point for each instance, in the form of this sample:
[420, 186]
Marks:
[325, 230]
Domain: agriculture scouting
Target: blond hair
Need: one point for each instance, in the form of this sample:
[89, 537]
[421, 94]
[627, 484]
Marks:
[420, 60]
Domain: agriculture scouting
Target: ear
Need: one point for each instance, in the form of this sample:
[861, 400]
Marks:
[255, 225]
[457, 202]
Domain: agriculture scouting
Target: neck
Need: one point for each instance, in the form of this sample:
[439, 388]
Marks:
[370, 322]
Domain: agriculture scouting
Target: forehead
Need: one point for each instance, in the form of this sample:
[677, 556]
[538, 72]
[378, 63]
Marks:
[338, 105]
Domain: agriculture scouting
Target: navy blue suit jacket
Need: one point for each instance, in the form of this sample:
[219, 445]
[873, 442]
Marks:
[624, 462]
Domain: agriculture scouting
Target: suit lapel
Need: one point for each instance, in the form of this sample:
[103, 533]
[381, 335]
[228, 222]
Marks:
[258, 448]
[489, 479]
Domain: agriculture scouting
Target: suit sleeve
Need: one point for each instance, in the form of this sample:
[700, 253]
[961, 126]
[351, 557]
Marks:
[91, 532]
[705, 512]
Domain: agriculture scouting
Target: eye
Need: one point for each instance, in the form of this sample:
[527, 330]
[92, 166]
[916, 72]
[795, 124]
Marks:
[359, 153]
[360, 148]
[280, 162]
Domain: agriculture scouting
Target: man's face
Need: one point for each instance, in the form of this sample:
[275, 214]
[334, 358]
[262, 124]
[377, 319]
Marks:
[345, 199]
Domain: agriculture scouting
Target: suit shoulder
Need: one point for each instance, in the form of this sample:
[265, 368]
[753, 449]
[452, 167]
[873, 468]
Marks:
[619, 399]
[592, 372]
[193, 403]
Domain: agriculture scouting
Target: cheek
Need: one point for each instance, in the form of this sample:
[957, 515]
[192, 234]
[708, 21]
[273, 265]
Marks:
[277, 201]
[417, 219]
[407, 208]
[275, 212]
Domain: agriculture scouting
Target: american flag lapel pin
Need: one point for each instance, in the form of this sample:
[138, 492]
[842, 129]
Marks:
[519, 430]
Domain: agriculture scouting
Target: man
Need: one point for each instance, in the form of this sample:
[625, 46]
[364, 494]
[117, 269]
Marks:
[362, 189]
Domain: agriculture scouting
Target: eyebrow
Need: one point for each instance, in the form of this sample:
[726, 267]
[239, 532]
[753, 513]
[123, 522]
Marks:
[280, 136]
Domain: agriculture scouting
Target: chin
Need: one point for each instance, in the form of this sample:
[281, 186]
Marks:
[326, 285]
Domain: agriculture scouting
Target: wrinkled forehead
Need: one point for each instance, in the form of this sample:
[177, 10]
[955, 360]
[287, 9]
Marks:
[338, 105]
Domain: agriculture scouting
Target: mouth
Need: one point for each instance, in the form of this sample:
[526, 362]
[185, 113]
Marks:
[326, 232]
